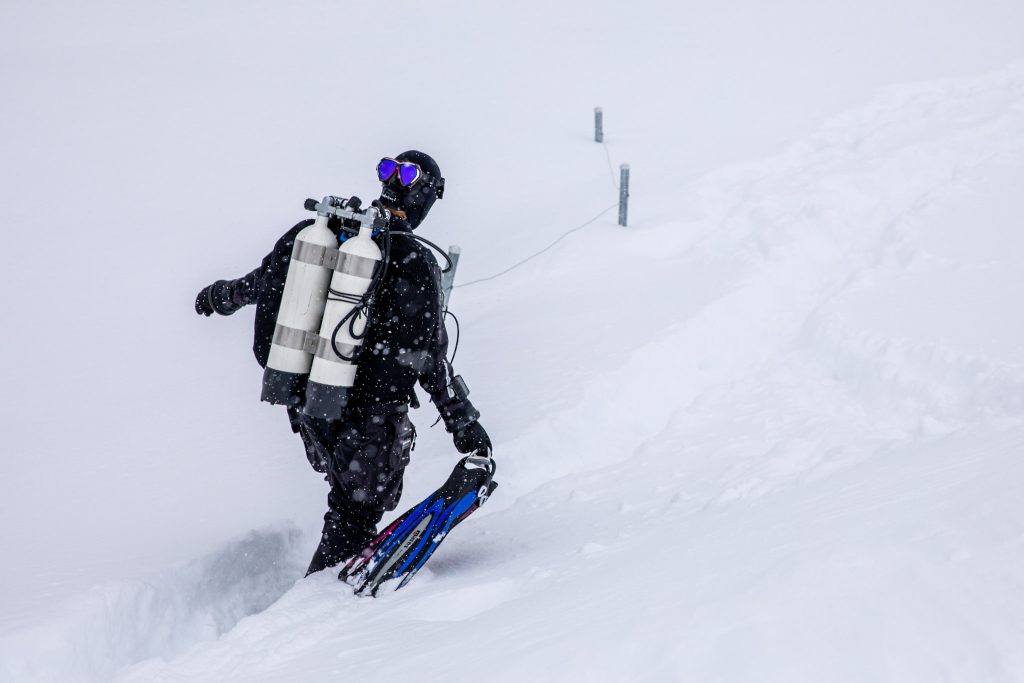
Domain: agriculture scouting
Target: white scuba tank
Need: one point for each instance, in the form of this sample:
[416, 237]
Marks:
[332, 376]
[298, 319]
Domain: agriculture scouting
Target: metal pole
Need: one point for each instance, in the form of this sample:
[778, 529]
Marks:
[448, 279]
[623, 193]
[598, 124]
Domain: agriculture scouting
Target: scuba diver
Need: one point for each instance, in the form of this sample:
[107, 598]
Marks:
[363, 454]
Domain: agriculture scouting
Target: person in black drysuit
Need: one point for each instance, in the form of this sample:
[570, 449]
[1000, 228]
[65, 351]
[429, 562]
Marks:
[364, 454]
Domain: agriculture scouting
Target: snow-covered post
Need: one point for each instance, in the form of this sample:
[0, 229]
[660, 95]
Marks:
[598, 124]
[623, 193]
[448, 279]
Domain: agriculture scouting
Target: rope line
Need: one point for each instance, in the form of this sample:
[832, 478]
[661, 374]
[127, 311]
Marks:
[536, 254]
[611, 166]
[615, 184]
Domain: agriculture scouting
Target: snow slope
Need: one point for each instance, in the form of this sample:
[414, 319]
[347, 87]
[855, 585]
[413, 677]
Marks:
[772, 431]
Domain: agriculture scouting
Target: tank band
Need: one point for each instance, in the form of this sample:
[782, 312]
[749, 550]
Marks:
[314, 254]
[330, 257]
[294, 338]
[312, 342]
[351, 264]
[324, 350]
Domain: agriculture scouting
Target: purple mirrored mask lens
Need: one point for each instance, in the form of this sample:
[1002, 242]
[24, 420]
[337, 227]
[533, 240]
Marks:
[386, 169]
[408, 173]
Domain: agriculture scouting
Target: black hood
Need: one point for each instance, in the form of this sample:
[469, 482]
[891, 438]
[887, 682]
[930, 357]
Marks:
[415, 201]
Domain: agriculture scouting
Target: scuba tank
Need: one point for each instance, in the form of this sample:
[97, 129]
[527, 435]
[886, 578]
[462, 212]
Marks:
[345, 319]
[324, 310]
[302, 308]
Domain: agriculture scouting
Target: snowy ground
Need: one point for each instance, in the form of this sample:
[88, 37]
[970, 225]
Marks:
[770, 432]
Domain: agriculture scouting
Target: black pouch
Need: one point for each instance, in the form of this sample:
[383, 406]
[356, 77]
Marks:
[316, 443]
[371, 456]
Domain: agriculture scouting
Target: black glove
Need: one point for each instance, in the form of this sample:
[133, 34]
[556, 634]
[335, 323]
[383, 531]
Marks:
[471, 439]
[204, 301]
[213, 299]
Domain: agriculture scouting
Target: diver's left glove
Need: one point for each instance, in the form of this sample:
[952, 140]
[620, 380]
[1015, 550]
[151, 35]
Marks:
[213, 299]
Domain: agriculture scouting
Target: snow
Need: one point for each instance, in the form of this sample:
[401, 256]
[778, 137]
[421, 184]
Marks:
[771, 431]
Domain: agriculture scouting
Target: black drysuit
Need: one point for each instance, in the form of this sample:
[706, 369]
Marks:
[364, 454]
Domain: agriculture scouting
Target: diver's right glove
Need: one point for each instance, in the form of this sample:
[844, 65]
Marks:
[472, 439]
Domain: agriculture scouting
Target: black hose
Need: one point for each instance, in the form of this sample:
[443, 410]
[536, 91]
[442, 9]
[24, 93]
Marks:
[458, 333]
[362, 305]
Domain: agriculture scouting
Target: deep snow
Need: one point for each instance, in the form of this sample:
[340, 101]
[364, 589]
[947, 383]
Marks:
[769, 432]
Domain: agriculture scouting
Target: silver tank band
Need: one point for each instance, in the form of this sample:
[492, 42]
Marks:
[311, 342]
[324, 350]
[314, 254]
[360, 266]
[329, 257]
[294, 338]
